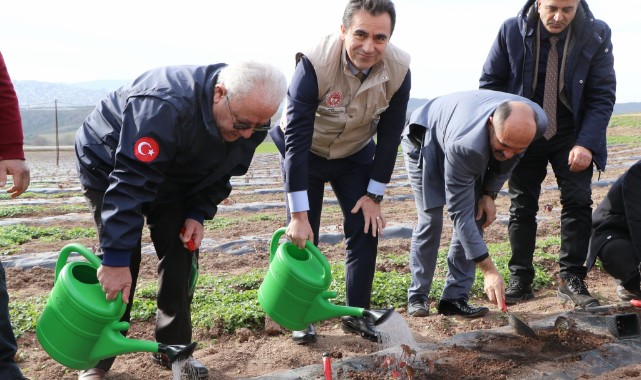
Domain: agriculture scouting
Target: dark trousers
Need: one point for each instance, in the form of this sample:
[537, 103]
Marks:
[349, 181]
[8, 347]
[619, 259]
[576, 212]
[173, 316]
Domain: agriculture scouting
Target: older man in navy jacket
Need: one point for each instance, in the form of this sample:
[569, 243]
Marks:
[580, 109]
[162, 150]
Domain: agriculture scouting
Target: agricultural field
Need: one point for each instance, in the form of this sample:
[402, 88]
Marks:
[235, 339]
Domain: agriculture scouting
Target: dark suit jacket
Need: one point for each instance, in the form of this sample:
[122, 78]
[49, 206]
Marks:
[589, 80]
[619, 214]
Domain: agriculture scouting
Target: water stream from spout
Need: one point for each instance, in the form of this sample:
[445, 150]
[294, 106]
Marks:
[394, 332]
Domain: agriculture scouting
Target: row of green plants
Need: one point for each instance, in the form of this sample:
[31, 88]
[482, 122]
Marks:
[12, 236]
[36, 195]
[230, 302]
[28, 210]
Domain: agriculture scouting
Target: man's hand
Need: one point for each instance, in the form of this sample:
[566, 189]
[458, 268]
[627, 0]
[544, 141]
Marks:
[487, 207]
[372, 215]
[494, 286]
[21, 177]
[114, 280]
[579, 159]
[192, 230]
[299, 229]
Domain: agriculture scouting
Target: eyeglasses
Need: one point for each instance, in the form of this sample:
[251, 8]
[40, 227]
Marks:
[244, 127]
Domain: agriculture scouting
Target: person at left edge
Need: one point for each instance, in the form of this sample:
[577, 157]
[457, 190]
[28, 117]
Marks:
[13, 164]
[351, 86]
[164, 148]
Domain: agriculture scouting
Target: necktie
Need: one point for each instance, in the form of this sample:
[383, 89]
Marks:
[360, 75]
[551, 88]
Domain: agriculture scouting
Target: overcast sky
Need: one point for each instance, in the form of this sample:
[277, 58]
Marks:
[82, 40]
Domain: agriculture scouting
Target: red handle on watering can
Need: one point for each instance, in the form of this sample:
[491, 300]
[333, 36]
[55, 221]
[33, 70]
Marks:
[190, 244]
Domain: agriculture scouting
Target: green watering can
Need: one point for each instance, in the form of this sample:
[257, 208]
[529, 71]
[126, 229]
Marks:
[79, 327]
[294, 291]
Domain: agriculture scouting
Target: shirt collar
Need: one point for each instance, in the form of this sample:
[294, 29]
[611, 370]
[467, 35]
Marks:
[545, 35]
[354, 70]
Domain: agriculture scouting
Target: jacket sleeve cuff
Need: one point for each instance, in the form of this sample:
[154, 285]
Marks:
[376, 187]
[116, 257]
[298, 201]
[11, 152]
[196, 215]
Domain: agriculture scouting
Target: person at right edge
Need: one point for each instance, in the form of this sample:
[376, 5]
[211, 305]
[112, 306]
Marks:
[616, 234]
[580, 96]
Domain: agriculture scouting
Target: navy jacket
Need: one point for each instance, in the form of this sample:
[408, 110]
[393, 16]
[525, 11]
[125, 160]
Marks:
[618, 215]
[589, 81]
[155, 141]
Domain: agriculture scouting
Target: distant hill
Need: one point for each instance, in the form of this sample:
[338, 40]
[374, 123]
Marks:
[33, 94]
[623, 108]
[76, 100]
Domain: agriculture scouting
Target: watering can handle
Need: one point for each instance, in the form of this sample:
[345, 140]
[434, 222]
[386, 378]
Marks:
[273, 246]
[308, 245]
[79, 248]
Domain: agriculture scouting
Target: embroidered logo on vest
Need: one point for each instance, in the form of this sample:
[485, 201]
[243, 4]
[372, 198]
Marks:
[146, 149]
[334, 98]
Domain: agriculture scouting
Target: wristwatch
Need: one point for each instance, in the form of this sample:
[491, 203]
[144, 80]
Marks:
[375, 197]
[491, 194]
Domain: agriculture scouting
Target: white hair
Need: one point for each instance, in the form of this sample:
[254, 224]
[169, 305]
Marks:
[250, 77]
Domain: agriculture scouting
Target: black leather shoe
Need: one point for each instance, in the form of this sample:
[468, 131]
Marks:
[518, 291]
[305, 336]
[190, 366]
[460, 307]
[574, 289]
[360, 326]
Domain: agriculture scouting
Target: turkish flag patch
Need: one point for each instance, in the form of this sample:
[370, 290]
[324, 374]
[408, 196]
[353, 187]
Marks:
[146, 149]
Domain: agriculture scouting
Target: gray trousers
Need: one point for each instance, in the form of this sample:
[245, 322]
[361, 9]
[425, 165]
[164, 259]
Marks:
[426, 239]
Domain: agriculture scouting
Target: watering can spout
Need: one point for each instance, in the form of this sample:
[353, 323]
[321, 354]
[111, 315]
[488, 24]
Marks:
[378, 316]
[112, 343]
[177, 352]
[325, 310]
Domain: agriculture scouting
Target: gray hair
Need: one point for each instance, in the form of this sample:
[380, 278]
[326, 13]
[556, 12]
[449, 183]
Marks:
[373, 7]
[249, 77]
[502, 112]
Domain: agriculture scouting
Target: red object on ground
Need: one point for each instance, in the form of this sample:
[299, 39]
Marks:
[190, 244]
[635, 303]
[327, 366]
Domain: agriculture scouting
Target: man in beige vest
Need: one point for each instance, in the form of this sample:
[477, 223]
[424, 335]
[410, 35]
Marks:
[351, 86]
